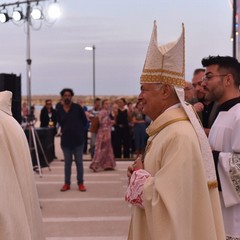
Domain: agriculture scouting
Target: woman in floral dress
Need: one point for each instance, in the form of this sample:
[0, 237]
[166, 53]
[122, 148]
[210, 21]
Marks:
[103, 157]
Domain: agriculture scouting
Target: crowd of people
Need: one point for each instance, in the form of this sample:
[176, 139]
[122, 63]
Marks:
[128, 125]
[107, 131]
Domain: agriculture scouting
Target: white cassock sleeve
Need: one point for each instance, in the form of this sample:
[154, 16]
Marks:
[229, 172]
[229, 165]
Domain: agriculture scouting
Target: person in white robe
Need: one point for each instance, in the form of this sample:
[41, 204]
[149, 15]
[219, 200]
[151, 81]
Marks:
[20, 214]
[173, 186]
[221, 84]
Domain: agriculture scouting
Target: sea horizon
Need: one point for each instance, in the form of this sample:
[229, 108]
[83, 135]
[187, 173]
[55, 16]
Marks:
[39, 100]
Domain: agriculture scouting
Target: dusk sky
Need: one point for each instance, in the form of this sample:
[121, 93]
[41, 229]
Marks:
[120, 30]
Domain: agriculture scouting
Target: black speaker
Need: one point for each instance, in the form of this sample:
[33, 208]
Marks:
[12, 82]
[46, 137]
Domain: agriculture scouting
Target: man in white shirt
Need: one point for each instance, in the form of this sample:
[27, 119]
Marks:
[221, 84]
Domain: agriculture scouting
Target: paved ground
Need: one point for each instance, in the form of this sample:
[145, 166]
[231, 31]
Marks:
[98, 214]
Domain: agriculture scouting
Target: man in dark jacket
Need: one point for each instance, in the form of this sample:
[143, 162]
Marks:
[72, 120]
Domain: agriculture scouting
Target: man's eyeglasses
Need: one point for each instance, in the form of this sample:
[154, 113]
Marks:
[209, 77]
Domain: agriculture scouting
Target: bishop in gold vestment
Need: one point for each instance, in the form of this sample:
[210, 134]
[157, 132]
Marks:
[173, 188]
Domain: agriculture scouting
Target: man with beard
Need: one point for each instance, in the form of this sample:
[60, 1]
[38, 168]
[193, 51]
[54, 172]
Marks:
[189, 93]
[221, 84]
[205, 109]
[72, 120]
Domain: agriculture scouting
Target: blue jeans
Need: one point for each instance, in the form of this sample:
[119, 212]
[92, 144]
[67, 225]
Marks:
[68, 153]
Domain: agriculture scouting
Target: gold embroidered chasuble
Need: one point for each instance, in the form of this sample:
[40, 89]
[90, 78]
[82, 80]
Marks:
[178, 205]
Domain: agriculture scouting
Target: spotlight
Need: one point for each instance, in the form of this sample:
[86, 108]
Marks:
[54, 10]
[4, 17]
[17, 15]
[36, 13]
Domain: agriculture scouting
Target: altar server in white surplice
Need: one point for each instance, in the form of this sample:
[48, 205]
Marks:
[173, 187]
[20, 215]
[221, 84]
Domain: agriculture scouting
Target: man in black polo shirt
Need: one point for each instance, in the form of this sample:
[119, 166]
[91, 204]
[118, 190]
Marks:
[72, 120]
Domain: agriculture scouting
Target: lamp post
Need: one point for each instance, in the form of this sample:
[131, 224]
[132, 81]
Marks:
[93, 48]
[31, 13]
[28, 60]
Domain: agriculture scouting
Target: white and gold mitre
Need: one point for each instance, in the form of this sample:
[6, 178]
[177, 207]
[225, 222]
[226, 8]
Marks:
[165, 63]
